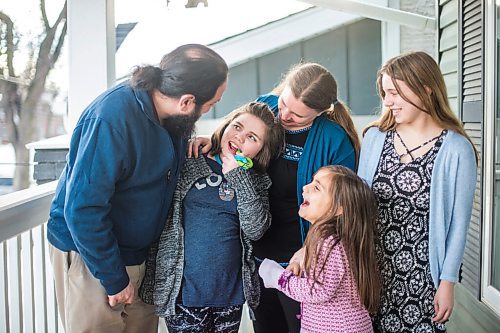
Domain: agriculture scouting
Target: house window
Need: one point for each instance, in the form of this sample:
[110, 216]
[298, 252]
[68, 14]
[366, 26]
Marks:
[491, 182]
[495, 230]
[495, 227]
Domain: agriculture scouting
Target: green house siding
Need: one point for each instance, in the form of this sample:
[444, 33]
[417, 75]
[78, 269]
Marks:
[352, 53]
[448, 49]
[461, 60]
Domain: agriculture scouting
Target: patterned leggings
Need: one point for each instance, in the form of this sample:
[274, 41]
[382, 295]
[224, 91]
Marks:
[205, 319]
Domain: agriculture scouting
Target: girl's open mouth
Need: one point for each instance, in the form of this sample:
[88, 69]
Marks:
[233, 148]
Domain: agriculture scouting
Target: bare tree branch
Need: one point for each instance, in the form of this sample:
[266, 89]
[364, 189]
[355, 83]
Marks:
[10, 104]
[21, 114]
[62, 14]
[9, 36]
[45, 61]
[60, 43]
[44, 15]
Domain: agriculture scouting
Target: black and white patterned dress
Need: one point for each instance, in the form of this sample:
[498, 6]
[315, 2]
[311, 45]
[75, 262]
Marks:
[403, 192]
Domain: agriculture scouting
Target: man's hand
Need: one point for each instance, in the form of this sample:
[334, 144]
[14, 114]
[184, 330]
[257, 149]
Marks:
[195, 143]
[443, 301]
[126, 296]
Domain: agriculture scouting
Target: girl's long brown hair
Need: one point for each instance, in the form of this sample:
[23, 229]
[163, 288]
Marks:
[354, 227]
[274, 142]
[421, 74]
[316, 87]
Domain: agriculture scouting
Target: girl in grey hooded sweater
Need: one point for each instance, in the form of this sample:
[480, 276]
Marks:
[201, 271]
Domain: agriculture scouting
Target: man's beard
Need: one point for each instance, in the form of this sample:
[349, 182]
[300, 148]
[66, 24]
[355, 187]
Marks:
[182, 125]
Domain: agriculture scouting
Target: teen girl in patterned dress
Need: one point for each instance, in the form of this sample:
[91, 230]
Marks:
[421, 165]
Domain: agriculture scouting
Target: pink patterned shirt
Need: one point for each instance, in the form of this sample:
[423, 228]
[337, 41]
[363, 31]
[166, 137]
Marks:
[333, 305]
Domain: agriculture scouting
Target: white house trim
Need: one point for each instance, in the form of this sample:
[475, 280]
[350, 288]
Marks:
[377, 12]
[279, 34]
[391, 35]
[490, 294]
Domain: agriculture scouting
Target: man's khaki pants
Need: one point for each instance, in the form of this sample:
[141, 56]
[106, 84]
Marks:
[83, 302]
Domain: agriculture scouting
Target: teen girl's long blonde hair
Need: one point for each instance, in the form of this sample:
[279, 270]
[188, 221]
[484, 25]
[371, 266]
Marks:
[421, 74]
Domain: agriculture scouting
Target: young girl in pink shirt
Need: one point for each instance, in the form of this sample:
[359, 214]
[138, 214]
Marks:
[339, 284]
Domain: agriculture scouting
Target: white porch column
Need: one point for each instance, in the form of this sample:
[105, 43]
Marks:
[91, 42]
[391, 36]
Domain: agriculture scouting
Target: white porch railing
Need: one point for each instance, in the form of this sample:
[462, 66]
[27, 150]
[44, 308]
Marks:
[27, 299]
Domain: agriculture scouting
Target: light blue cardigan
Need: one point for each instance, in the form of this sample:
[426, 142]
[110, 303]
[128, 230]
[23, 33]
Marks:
[453, 182]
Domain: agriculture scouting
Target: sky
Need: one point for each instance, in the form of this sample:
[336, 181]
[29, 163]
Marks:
[159, 29]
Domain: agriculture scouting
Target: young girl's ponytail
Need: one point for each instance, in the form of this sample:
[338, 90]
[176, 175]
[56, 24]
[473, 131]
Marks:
[316, 87]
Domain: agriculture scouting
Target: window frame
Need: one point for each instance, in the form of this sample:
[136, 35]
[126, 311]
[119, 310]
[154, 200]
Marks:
[489, 294]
